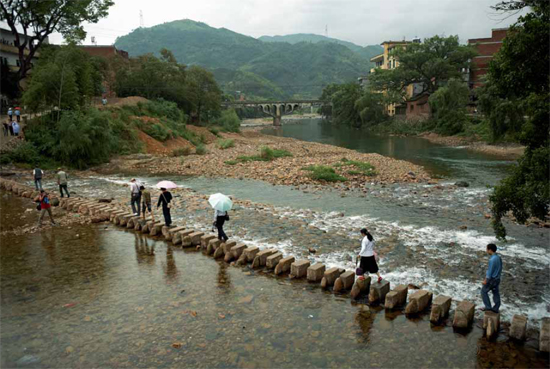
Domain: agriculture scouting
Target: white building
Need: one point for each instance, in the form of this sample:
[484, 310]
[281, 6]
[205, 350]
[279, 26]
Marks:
[9, 53]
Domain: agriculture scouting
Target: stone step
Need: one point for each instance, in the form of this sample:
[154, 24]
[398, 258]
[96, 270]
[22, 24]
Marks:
[518, 328]
[316, 272]
[178, 237]
[261, 259]
[273, 260]
[440, 308]
[330, 276]
[250, 253]
[491, 324]
[213, 245]
[396, 297]
[344, 282]
[298, 269]
[205, 240]
[360, 287]
[284, 265]
[418, 302]
[544, 338]
[196, 238]
[170, 232]
[378, 291]
[464, 315]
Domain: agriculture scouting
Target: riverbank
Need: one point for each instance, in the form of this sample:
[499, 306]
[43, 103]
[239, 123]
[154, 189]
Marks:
[268, 121]
[508, 151]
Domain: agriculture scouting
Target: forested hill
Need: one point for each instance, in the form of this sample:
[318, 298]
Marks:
[243, 63]
[367, 51]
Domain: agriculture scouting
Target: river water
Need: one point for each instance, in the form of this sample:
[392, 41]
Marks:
[112, 298]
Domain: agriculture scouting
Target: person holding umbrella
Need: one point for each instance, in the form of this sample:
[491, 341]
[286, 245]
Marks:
[164, 199]
[221, 205]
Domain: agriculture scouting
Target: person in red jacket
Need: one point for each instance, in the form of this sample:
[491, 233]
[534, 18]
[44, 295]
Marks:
[45, 206]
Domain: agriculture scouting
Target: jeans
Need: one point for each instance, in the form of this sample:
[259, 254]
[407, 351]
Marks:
[64, 187]
[167, 216]
[136, 200]
[38, 183]
[42, 213]
[491, 285]
[219, 224]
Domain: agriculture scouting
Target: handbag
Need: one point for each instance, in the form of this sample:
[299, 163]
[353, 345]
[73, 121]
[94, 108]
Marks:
[168, 206]
[226, 216]
[38, 206]
[358, 270]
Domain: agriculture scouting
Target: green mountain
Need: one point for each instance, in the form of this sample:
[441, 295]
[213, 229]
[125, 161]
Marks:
[242, 63]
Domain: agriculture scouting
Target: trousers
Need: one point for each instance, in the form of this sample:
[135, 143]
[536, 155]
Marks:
[491, 285]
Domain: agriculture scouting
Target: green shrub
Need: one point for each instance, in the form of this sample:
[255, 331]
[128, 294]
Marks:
[225, 144]
[269, 154]
[215, 131]
[25, 153]
[228, 121]
[363, 167]
[183, 151]
[201, 150]
[232, 162]
[354, 172]
[324, 173]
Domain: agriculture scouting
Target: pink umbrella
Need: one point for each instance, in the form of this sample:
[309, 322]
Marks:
[166, 184]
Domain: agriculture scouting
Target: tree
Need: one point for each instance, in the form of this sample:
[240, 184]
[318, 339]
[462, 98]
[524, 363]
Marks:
[448, 105]
[343, 104]
[430, 64]
[205, 95]
[371, 108]
[42, 18]
[518, 83]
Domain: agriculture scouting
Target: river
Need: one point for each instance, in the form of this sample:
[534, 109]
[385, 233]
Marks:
[104, 299]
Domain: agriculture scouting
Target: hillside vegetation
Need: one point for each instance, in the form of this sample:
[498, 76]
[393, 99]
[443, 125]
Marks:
[257, 68]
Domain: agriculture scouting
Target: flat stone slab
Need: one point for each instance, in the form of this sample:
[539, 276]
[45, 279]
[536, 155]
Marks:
[131, 223]
[418, 302]
[491, 324]
[273, 260]
[196, 238]
[378, 291]
[464, 315]
[171, 231]
[330, 276]
[344, 282]
[261, 259]
[238, 250]
[213, 245]
[178, 237]
[518, 328]
[360, 287]
[396, 297]
[205, 240]
[440, 308]
[250, 253]
[156, 229]
[544, 338]
[284, 265]
[299, 268]
[316, 272]
[227, 246]
[148, 226]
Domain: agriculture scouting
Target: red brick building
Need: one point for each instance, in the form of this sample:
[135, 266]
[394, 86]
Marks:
[104, 51]
[486, 48]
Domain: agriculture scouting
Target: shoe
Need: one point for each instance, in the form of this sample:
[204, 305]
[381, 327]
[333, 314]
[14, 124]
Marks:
[379, 279]
[484, 309]
[135, 213]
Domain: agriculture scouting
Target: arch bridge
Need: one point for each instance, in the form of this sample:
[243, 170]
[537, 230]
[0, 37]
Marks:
[275, 108]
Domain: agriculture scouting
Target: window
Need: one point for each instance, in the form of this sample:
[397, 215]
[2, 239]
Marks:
[17, 62]
[412, 107]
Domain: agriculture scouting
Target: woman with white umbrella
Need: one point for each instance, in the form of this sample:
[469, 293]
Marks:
[164, 199]
[221, 205]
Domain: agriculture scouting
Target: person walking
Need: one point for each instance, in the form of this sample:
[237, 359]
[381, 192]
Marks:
[18, 113]
[492, 280]
[220, 217]
[10, 114]
[164, 199]
[367, 255]
[146, 195]
[16, 128]
[62, 181]
[45, 206]
[135, 197]
[37, 174]
[6, 128]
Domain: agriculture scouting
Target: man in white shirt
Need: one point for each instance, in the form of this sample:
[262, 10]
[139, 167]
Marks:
[135, 196]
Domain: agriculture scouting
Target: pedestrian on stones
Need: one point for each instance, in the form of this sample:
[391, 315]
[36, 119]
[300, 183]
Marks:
[62, 181]
[164, 199]
[7, 126]
[492, 280]
[367, 255]
[135, 197]
[10, 127]
[10, 114]
[45, 206]
[146, 195]
[16, 128]
[18, 113]
[37, 174]
[220, 217]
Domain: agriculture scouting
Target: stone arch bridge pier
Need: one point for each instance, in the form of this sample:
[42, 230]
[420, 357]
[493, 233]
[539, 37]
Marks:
[276, 109]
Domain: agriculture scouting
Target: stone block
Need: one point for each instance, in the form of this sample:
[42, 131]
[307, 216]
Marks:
[273, 260]
[196, 238]
[205, 240]
[227, 246]
[138, 225]
[156, 230]
[114, 213]
[330, 276]
[124, 220]
[344, 282]
[464, 315]
[491, 324]
[360, 287]
[213, 245]
[284, 265]
[261, 259]
[171, 231]
[518, 328]
[238, 250]
[218, 253]
[178, 237]
[298, 269]
[418, 302]
[316, 272]
[440, 308]
[250, 253]
[378, 291]
[149, 226]
[132, 222]
[544, 338]
[396, 297]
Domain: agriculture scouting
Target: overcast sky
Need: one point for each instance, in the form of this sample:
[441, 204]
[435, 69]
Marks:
[364, 22]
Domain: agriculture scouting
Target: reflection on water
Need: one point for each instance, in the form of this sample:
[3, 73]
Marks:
[478, 168]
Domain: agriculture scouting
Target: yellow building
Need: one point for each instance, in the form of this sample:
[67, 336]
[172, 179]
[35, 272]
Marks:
[387, 60]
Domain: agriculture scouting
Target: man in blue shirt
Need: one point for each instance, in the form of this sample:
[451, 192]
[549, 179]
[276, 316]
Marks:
[492, 280]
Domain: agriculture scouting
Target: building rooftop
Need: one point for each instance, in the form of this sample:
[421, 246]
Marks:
[377, 57]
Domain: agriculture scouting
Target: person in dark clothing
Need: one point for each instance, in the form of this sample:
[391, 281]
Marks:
[492, 280]
[219, 219]
[164, 199]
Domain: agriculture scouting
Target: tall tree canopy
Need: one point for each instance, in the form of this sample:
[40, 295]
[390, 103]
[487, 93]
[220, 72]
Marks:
[38, 19]
[517, 99]
[430, 63]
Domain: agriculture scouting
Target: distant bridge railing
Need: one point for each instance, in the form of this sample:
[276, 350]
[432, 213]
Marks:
[274, 102]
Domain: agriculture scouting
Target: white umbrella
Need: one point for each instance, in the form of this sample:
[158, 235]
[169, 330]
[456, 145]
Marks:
[220, 202]
[166, 184]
